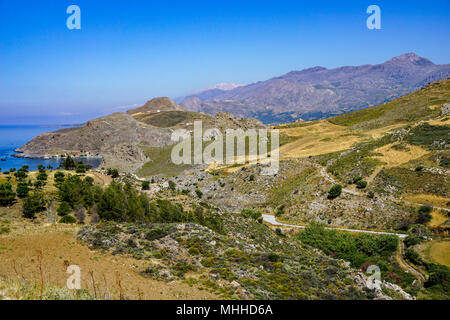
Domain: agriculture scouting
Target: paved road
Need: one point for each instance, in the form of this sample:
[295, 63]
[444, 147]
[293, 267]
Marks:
[271, 219]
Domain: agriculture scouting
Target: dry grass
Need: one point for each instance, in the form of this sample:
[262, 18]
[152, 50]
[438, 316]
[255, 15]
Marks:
[430, 199]
[440, 252]
[380, 132]
[392, 157]
[436, 251]
[114, 276]
[318, 138]
[438, 218]
[443, 121]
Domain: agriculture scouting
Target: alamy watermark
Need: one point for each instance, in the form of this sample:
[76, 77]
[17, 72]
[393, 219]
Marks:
[240, 146]
[374, 20]
[74, 20]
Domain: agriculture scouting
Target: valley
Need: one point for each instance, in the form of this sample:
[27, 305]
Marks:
[370, 187]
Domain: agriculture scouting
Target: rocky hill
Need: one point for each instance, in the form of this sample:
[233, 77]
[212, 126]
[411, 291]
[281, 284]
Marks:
[157, 105]
[120, 138]
[318, 92]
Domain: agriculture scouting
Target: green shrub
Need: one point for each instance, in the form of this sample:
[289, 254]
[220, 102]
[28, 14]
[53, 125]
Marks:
[145, 185]
[424, 214]
[22, 189]
[114, 173]
[413, 256]
[357, 249]
[199, 193]
[335, 191]
[81, 168]
[63, 209]
[68, 219]
[361, 184]
[33, 204]
[249, 213]
[7, 195]
[279, 210]
[172, 185]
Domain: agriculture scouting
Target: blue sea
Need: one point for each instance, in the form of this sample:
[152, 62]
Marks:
[13, 137]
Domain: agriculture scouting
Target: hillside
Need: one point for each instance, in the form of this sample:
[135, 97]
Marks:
[207, 227]
[121, 139]
[318, 92]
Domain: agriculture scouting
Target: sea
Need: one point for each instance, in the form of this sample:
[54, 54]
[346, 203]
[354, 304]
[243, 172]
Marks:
[13, 137]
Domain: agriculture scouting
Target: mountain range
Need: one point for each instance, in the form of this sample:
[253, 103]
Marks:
[318, 92]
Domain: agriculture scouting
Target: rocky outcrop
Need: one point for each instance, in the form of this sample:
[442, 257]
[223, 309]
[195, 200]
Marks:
[445, 110]
[115, 138]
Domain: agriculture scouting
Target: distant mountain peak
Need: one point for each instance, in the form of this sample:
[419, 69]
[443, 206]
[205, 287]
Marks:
[220, 86]
[410, 58]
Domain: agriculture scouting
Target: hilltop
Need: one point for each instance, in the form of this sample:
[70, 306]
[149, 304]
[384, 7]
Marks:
[122, 138]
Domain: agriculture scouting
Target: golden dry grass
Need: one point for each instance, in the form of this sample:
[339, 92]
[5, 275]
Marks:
[440, 252]
[323, 137]
[318, 138]
[380, 132]
[392, 157]
[430, 199]
[444, 121]
[438, 218]
[59, 248]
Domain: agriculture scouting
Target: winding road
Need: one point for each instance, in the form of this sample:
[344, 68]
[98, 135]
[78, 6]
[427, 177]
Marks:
[272, 220]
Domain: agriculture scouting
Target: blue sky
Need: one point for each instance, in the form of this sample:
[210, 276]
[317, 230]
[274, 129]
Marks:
[128, 52]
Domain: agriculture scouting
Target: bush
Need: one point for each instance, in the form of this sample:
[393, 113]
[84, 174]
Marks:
[114, 173]
[361, 184]
[356, 179]
[89, 181]
[439, 276]
[21, 174]
[59, 177]
[7, 195]
[199, 193]
[80, 168]
[411, 241]
[22, 189]
[357, 249]
[68, 219]
[145, 185]
[249, 213]
[413, 256]
[42, 176]
[64, 209]
[279, 211]
[33, 204]
[335, 191]
[172, 185]
[424, 214]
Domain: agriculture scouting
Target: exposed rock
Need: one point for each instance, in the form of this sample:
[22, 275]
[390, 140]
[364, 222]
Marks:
[445, 109]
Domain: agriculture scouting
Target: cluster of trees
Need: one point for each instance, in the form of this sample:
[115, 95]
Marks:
[114, 173]
[254, 214]
[122, 202]
[68, 163]
[357, 249]
[75, 192]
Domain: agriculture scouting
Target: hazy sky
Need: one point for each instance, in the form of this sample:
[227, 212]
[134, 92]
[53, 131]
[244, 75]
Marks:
[128, 52]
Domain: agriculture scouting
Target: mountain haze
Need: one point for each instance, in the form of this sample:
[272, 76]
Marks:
[319, 92]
